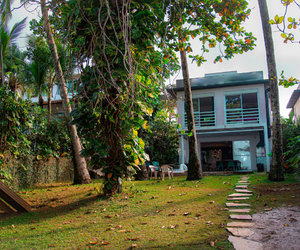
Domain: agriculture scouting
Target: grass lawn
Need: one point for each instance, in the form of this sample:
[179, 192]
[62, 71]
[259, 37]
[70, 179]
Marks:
[170, 214]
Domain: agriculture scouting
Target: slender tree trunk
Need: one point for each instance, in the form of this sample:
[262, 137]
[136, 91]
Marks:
[49, 100]
[276, 170]
[81, 172]
[194, 168]
[1, 65]
[41, 101]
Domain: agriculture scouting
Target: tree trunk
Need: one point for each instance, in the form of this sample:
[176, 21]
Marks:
[80, 166]
[142, 174]
[195, 168]
[49, 100]
[276, 169]
[41, 101]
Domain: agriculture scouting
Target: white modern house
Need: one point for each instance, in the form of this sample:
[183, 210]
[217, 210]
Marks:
[232, 119]
[56, 100]
[294, 103]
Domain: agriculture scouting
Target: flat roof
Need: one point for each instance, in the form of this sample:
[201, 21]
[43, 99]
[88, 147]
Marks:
[223, 79]
[293, 99]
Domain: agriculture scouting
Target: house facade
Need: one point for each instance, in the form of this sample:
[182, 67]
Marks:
[232, 120]
[294, 103]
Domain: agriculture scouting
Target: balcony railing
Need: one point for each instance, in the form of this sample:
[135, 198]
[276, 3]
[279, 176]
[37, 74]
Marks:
[202, 119]
[242, 116]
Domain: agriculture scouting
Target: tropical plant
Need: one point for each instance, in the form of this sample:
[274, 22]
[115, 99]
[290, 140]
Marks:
[7, 38]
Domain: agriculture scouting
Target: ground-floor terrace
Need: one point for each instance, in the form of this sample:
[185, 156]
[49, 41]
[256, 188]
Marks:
[239, 150]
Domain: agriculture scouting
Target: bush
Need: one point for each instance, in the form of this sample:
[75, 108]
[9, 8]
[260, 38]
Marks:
[162, 142]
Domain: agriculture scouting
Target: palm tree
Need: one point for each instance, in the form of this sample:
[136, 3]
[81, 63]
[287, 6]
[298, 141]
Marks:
[7, 38]
[38, 66]
[276, 170]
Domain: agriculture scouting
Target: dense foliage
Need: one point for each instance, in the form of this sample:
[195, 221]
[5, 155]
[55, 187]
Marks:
[161, 139]
[291, 142]
[27, 131]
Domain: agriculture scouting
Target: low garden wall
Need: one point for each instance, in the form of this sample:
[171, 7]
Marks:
[29, 171]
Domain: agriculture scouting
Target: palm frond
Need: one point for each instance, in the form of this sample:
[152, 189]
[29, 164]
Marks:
[17, 30]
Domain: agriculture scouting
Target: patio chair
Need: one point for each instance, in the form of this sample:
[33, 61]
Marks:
[166, 169]
[154, 169]
[231, 165]
[220, 166]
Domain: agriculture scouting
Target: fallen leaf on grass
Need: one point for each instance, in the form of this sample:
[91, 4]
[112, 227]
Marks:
[93, 242]
[143, 223]
[187, 222]
[286, 225]
[163, 226]
[268, 209]
[154, 197]
[93, 222]
[13, 226]
[186, 213]
[208, 222]
[153, 240]
[172, 214]
[52, 245]
[292, 219]
[118, 227]
[208, 194]
[108, 216]
[169, 201]
[145, 215]
[273, 199]
[212, 202]
[134, 245]
[211, 243]
[159, 210]
[105, 242]
[133, 239]
[182, 194]
[110, 229]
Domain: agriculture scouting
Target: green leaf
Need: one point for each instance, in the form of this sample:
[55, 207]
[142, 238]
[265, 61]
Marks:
[272, 22]
[280, 20]
[182, 132]
[290, 19]
[283, 35]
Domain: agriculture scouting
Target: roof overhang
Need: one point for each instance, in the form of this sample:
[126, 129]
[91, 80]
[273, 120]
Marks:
[224, 85]
[293, 99]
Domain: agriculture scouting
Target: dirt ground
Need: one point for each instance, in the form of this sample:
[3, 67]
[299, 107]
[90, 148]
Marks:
[278, 229]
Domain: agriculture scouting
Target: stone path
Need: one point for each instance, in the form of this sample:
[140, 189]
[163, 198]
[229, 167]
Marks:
[239, 212]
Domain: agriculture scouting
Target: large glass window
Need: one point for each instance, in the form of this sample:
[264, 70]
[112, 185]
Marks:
[241, 153]
[242, 108]
[204, 111]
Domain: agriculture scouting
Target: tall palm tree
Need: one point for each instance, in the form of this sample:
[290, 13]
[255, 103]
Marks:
[7, 38]
[38, 66]
[276, 170]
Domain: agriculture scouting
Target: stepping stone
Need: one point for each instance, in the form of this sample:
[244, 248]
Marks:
[239, 195]
[237, 205]
[240, 224]
[242, 244]
[246, 182]
[241, 187]
[240, 217]
[240, 232]
[243, 191]
[244, 178]
[241, 210]
[237, 198]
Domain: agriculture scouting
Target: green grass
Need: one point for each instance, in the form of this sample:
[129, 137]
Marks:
[73, 217]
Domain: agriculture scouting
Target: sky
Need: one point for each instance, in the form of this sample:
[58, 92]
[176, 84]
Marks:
[287, 55]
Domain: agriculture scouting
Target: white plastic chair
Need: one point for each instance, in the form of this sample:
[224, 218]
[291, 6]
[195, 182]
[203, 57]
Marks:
[166, 169]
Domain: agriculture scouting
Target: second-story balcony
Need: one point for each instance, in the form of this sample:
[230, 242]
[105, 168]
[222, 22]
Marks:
[242, 116]
[202, 119]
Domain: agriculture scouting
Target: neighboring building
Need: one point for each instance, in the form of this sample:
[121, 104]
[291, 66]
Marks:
[56, 101]
[232, 120]
[294, 104]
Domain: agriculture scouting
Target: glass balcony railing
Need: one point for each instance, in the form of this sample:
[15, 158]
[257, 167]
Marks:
[203, 119]
[242, 116]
